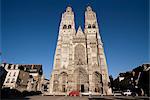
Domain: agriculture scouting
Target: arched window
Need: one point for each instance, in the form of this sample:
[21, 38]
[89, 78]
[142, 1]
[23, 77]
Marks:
[69, 26]
[65, 27]
[81, 79]
[79, 55]
[56, 85]
[89, 26]
[97, 79]
[63, 80]
[93, 26]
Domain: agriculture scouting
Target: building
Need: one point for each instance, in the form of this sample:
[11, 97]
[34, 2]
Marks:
[23, 76]
[79, 61]
[3, 74]
[44, 85]
[141, 78]
[136, 80]
[16, 78]
[35, 72]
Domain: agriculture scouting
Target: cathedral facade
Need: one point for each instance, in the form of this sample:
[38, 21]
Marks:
[79, 61]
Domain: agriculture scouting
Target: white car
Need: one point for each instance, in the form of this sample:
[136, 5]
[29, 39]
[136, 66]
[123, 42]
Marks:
[117, 93]
[86, 93]
[127, 93]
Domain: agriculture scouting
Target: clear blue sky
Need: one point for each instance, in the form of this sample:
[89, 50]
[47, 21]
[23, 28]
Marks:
[30, 30]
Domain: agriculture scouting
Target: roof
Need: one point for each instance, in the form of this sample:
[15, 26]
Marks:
[80, 32]
[33, 67]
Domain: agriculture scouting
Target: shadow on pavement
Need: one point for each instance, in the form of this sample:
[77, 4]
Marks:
[16, 98]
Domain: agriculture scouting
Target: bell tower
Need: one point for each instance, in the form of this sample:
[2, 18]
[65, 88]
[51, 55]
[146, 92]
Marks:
[91, 30]
[96, 56]
[64, 43]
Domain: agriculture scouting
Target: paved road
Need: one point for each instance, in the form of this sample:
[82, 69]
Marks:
[119, 98]
[82, 98]
[87, 98]
[58, 98]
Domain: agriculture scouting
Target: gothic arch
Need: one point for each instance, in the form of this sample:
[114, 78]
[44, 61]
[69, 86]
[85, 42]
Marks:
[69, 26]
[65, 27]
[63, 80]
[81, 79]
[79, 55]
[97, 79]
[55, 85]
[89, 25]
[93, 26]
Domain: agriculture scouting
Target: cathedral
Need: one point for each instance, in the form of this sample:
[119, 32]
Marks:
[79, 60]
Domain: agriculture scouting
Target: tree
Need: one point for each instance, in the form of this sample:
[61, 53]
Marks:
[111, 82]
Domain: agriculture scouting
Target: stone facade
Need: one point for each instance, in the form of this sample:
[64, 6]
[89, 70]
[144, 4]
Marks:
[79, 62]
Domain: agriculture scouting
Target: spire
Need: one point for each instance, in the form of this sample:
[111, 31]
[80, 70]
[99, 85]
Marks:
[80, 32]
[68, 9]
[88, 8]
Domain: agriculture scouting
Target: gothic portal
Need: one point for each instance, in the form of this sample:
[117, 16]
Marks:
[79, 61]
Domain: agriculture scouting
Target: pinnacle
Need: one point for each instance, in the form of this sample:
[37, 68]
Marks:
[79, 29]
[80, 32]
[88, 8]
[69, 9]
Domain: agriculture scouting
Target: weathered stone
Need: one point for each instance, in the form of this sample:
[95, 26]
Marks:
[79, 62]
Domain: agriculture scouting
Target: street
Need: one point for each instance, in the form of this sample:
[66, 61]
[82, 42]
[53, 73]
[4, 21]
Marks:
[82, 98]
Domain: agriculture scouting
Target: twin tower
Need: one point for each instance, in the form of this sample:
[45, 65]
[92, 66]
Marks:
[79, 62]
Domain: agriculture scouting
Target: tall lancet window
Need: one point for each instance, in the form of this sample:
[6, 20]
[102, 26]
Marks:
[89, 26]
[93, 26]
[79, 54]
[65, 27]
[69, 26]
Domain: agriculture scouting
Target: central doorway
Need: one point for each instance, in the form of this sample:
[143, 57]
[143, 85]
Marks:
[82, 88]
[81, 79]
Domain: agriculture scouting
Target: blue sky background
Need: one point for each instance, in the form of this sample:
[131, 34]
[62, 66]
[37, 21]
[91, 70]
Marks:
[30, 28]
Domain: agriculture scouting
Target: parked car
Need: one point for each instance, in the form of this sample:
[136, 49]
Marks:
[86, 93]
[74, 93]
[117, 93]
[127, 93]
